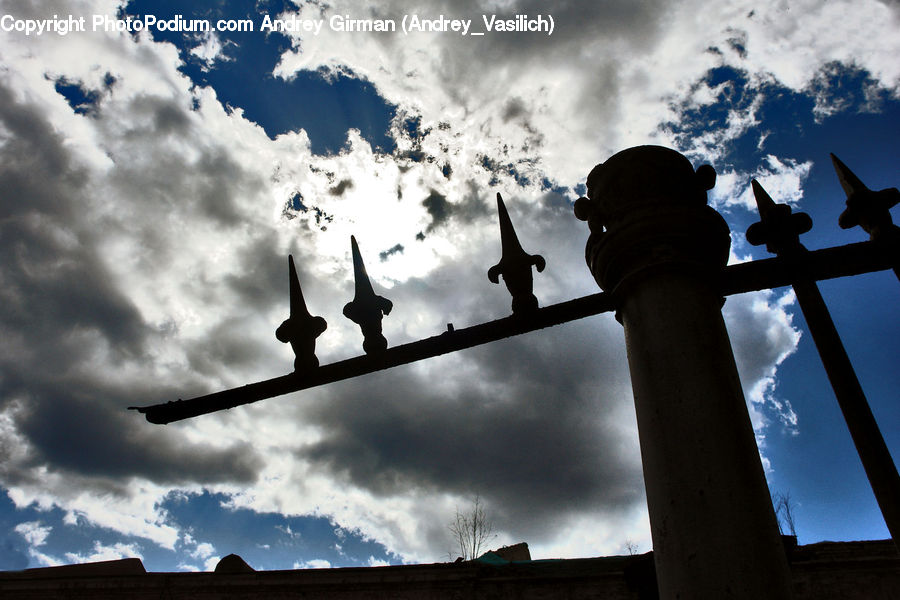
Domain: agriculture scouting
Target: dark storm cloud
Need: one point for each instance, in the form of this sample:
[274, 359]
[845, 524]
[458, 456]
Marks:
[532, 424]
[474, 204]
[395, 249]
[261, 275]
[513, 108]
[51, 290]
[209, 185]
[35, 169]
[165, 116]
[77, 425]
[342, 186]
[66, 329]
[53, 280]
[523, 429]
[471, 207]
[437, 206]
[227, 344]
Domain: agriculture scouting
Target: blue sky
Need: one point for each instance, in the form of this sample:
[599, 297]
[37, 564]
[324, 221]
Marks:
[152, 183]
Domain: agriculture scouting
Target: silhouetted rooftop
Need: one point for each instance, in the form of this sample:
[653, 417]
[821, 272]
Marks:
[867, 569]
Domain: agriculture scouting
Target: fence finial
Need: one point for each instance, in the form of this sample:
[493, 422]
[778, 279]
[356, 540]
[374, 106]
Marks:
[870, 210]
[867, 208]
[367, 308]
[300, 328]
[515, 264]
[779, 228]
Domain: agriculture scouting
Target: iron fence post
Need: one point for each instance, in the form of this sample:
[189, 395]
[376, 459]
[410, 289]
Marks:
[658, 249]
[779, 228]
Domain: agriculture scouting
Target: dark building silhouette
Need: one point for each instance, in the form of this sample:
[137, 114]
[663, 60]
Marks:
[823, 571]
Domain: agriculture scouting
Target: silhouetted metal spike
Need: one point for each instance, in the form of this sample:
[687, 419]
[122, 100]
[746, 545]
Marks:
[298, 304]
[367, 308]
[515, 264]
[764, 203]
[779, 228]
[362, 285]
[849, 181]
[870, 210]
[300, 329]
[867, 208]
[509, 241]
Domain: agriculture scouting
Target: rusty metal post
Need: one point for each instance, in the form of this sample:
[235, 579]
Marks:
[658, 249]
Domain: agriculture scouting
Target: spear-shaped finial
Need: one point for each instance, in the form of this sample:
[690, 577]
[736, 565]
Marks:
[869, 209]
[515, 264]
[301, 328]
[779, 228]
[366, 309]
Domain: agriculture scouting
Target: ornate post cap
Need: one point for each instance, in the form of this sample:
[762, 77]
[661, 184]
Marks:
[646, 209]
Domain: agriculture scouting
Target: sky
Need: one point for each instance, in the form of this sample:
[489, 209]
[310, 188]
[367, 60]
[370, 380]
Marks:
[153, 182]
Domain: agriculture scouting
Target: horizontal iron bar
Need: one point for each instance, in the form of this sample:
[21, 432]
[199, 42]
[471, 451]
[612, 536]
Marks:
[852, 259]
[814, 265]
[449, 341]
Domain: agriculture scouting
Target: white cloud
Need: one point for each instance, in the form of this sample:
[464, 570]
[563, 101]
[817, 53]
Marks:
[600, 85]
[203, 551]
[209, 565]
[33, 532]
[103, 553]
[763, 335]
[782, 179]
[315, 563]
[210, 50]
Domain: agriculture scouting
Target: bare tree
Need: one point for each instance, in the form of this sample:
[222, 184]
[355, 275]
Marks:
[784, 512]
[472, 530]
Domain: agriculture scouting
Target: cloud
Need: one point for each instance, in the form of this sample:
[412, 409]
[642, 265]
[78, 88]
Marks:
[342, 186]
[763, 335]
[211, 50]
[515, 432]
[782, 179]
[315, 563]
[33, 532]
[35, 535]
[65, 317]
[104, 553]
[377, 562]
[203, 551]
[607, 65]
[77, 434]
